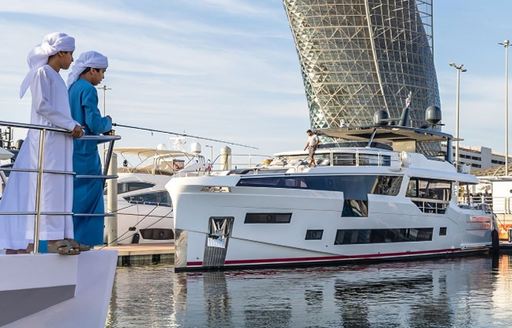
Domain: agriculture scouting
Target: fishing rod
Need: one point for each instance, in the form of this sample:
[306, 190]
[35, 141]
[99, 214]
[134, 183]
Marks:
[180, 134]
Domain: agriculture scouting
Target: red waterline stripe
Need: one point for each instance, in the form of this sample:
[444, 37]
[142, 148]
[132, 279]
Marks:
[329, 258]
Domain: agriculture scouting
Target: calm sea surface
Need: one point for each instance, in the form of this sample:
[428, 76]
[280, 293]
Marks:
[462, 292]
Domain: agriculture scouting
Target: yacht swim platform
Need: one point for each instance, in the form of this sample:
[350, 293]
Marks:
[143, 254]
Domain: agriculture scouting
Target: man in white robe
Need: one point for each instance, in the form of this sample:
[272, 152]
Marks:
[50, 107]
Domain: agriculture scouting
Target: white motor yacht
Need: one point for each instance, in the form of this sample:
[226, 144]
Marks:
[377, 199]
[145, 213]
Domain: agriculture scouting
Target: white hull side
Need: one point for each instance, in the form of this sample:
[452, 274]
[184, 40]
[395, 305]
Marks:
[43, 277]
[142, 217]
[263, 244]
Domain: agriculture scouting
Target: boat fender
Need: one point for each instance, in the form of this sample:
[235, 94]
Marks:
[495, 241]
[405, 159]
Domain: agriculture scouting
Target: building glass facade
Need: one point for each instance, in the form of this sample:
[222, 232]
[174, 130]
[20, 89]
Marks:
[360, 56]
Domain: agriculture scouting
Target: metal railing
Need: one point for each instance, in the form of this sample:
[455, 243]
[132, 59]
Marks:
[40, 171]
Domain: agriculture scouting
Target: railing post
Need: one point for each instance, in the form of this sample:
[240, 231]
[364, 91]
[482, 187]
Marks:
[39, 187]
[112, 202]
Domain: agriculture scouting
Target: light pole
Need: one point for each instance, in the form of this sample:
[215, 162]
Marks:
[460, 69]
[506, 44]
[211, 152]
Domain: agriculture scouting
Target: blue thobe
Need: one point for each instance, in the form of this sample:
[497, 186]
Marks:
[88, 193]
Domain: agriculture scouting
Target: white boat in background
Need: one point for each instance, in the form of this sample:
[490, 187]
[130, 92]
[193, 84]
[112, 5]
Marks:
[5, 161]
[145, 213]
[366, 201]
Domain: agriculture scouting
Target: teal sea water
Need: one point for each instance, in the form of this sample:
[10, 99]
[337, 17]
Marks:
[458, 292]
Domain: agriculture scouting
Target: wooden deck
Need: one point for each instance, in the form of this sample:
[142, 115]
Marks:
[144, 254]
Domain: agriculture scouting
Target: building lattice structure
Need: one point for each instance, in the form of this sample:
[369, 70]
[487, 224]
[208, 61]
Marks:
[360, 56]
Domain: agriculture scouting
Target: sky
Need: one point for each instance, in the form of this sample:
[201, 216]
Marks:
[228, 69]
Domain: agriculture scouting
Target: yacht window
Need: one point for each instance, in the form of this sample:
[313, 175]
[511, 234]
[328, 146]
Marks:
[314, 234]
[355, 187]
[348, 159]
[429, 189]
[268, 218]
[430, 195]
[322, 160]
[132, 186]
[161, 198]
[370, 236]
[354, 207]
[387, 185]
[261, 182]
[369, 159]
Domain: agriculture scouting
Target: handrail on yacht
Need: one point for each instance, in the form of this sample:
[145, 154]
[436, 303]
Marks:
[40, 170]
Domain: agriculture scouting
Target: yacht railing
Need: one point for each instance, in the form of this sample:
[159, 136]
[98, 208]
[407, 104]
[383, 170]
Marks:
[40, 171]
[432, 206]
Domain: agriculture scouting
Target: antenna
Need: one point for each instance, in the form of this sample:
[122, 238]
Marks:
[404, 119]
[104, 88]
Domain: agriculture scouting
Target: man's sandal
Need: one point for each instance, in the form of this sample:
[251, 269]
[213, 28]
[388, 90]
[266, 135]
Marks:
[80, 247]
[62, 247]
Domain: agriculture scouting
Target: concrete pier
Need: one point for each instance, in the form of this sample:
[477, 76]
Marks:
[144, 254]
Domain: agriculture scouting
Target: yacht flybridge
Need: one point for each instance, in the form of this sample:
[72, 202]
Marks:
[373, 198]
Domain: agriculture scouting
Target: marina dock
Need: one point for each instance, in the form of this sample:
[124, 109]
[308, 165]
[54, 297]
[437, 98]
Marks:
[144, 254]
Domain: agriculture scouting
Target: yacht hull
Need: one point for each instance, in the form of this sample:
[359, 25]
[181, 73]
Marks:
[51, 290]
[213, 230]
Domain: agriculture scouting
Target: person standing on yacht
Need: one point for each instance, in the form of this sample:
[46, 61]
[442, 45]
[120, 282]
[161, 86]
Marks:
[311, 146]
[87, 72]
[50, 107]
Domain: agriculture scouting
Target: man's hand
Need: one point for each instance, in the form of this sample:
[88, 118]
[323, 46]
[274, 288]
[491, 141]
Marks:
[77, 132]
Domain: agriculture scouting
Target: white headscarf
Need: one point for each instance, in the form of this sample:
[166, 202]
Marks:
[52, 43]
[87, 59]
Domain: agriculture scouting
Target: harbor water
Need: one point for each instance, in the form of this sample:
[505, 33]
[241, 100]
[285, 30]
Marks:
[457, 292]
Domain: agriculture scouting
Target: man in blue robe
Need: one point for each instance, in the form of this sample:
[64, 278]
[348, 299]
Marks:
[88, 71]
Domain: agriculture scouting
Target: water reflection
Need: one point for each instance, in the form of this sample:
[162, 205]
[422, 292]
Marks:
[468, 292]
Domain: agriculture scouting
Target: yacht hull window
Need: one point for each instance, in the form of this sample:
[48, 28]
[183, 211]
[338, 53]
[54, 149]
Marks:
[160, 198]
[371, 236]
[132, 186]
[268, 218]
[157, 234]
[314, 234]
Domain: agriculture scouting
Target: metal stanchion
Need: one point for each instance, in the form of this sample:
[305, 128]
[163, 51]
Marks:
[39, 187]
[112, 202]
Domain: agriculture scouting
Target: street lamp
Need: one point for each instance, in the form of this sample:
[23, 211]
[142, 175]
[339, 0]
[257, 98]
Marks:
[460, 69]
[506, 44]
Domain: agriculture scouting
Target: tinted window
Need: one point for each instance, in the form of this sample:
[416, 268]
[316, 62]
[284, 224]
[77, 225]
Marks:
[268, 217]
[344, 159]
[353, 207]
[349, 159]
[314, 234]
[429, 189]
[370, 236]
[161, 198]
[387, 185]
[132, 186]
